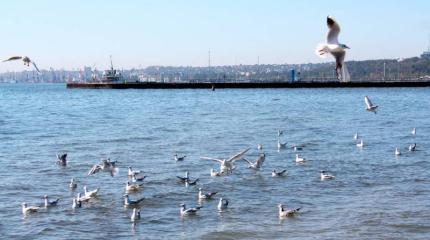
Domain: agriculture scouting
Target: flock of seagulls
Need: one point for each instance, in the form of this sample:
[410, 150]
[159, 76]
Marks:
[226, 166]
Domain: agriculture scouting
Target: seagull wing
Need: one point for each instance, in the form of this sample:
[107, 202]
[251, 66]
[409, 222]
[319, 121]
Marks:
[246, 160]
[13, 58]
[35, 67]
[213, 159]
[238, 156]
[94, 169]
[333, 31]
[368, 102]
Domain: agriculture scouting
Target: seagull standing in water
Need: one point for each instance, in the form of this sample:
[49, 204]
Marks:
[369, 105]
[222, 204]
[397, 152]
[25, 59]
[227, 165]
[73, 184]
[287, 212]
[208, 195]
[190, 211]
[299, 159]
[326, 176]
[129, 202]
[30, 209]
[50, 203]
[132, 187]
[414, 131]
[179, 158]
[412, 147]
[336, 49]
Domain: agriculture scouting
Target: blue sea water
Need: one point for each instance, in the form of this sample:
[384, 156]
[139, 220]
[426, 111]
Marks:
[375, 194]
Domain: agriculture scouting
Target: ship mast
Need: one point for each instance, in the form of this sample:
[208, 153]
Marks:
[111, 64]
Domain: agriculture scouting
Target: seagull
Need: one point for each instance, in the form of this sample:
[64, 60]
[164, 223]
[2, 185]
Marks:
[336, 49]
[132, 187]
[369, 105]
[76, 203]
[397, 152]
[106, 166]
[25, 59]
[215, 173]
[184, 179]
[288, 212]
[50, 204]
[73, 184]
[356, 136]
[326, 176]
[227, 165]
[191, 183]
[258, 163]
[135, 215]
[134, 179]
[30, 209]
[92, 193]
[129, 202]
[222, 204]
[190, 211]
[84, 198]
[178, 159]
[299, 159]
[360, 144]
[61, 159]
[412, 147]
[281, 145]
[131, 172]
[260, 147]
[414, 131]
[278, 174]
[208, 195]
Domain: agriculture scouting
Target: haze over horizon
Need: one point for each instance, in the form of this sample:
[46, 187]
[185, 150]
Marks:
[146, 33]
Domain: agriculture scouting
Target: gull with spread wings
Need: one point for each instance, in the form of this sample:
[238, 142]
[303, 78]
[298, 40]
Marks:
[25, 59]
[336, 49]
[227, 165]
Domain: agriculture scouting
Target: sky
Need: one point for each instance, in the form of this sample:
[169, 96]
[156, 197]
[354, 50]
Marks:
[140, 33]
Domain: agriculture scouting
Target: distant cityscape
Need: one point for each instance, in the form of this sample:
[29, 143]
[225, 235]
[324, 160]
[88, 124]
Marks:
[389, 69]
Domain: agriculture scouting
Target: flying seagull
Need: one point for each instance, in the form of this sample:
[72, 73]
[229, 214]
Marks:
[25, 59]
[336, 49]
[227, 165]
[369, 105]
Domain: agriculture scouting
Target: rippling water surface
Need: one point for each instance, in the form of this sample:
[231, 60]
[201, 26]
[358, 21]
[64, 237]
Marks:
[374, 195]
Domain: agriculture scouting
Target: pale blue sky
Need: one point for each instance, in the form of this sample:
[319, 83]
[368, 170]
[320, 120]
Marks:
[70, 34]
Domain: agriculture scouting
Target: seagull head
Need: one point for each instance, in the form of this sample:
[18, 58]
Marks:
[182, 205]
[280, 206]
[344, 46]
[24, 204]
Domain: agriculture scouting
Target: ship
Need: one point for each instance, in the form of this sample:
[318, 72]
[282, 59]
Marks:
[111, 75]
